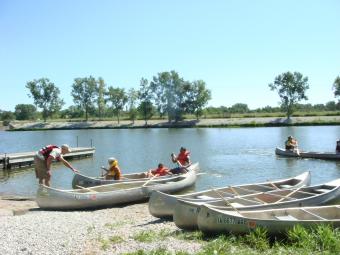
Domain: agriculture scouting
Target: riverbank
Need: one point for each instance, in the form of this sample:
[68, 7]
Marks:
[226, 122]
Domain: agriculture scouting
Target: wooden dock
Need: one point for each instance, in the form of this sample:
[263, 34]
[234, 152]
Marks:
[24, 159]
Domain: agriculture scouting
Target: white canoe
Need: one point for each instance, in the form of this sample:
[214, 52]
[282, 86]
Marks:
[162, 205]
[275, 221]
[308, 154]
[111, 194]
[186, 212]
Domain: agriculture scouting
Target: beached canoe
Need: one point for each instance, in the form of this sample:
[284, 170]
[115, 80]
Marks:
[112, 194]
[186, 212]
[308, 154]
[162, 205]
[88, 181]
[275, 221]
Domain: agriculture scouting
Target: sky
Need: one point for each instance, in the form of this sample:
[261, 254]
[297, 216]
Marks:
[237, 47]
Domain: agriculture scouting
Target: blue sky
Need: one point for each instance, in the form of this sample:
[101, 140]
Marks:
[236, 47]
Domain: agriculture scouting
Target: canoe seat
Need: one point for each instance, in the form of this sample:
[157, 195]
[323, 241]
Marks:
[286, 186]
[321, 191]
[286, 217]
[234, 204]
[205, 197]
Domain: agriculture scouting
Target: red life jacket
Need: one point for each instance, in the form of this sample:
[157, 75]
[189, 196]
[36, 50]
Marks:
[45, 151]
[183, 157]
[161, 171]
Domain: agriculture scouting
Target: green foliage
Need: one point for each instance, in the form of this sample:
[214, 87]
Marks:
[239, 108]
[257, 239]
[118, 99]
[6, 117]
[336, 86]
[185, 235]
[198, 97]
[25, 112]
[46, 96]
[146, 236]
[291, 88]
[101, 91]
[84, 92]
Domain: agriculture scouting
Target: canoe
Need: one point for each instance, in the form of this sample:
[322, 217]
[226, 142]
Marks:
[308, 154]
[111, 194]
[161, 205]
[186, 212]
[275, 221]
[88, 181]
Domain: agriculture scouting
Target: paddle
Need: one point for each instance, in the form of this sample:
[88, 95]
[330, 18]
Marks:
[153, 177]
[287, 196]
[224, 199]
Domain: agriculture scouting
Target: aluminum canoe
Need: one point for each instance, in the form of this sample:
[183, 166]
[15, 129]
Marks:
[308, 154]
[161, 205]
[186, 212]
[275, 221]
[111, 194]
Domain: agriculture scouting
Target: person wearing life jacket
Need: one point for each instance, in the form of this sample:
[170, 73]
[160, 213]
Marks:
[113, 172]
[43, 160]
[291, 143]
[182, 159]
[161, 170]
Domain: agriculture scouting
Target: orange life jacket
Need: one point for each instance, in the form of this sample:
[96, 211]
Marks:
[160, 171]
[46, 151]
[183, 157]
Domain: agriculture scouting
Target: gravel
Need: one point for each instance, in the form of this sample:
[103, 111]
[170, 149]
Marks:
[105, 231]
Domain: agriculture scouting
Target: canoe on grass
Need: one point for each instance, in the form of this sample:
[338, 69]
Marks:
[275, 221]
[112, 194]
[185, 212]
[162, 204]
[87, 181]
[308, 154]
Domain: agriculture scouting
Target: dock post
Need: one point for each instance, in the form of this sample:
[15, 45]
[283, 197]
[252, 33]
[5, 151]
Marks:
[91, 143]
[77, 141]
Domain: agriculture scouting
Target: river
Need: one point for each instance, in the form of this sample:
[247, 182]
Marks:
[226, 155]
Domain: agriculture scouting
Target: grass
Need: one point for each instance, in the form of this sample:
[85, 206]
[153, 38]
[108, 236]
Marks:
[107, 243]
[322, 239]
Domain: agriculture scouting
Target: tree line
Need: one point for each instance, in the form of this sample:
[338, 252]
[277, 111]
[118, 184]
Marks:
[167, 95]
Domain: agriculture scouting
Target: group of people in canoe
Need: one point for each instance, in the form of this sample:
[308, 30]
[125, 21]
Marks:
[45, 156]
[291, 144]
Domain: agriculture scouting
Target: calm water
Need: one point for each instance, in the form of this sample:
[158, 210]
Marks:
[228, 156]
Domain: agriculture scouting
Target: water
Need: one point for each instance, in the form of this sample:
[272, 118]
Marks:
[227, 155]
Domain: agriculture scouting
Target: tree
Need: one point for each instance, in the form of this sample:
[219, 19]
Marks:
[118, 99]
[146, 108]
[84, 92]
[336, 87]
[25, 112]
[291, 88]
[198, 97]
[170, 94]
[132, 101]
[101, 91]
[239, 108]
[46, 96]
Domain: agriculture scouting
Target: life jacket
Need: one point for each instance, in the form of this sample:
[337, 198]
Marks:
[46, 151]
[161, 171]
[114, 173]
[183, 157]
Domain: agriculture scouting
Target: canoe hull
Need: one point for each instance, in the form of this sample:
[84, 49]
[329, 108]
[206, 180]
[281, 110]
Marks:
[112, 194]
[275, 222]
[162, 205]
[186, 212]
[305, 154]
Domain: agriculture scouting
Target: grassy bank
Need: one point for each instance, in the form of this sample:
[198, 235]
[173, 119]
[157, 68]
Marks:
[321, 239]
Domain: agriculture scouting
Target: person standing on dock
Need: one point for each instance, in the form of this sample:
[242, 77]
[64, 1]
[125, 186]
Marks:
[43, 161]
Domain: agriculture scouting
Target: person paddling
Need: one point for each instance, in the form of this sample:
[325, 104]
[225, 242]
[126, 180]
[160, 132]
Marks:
[161, 170]
[43, 160]
[182, 159]
[292, 144]
[113, 172]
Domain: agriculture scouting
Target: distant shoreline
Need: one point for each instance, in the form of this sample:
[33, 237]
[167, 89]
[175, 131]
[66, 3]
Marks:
[202, 123]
